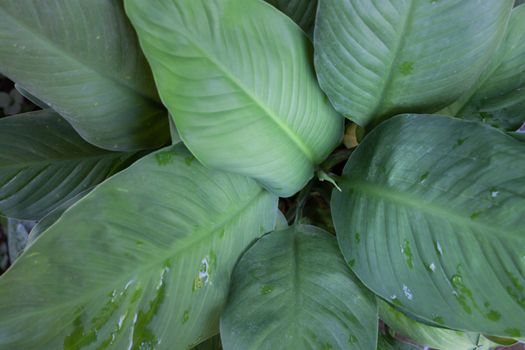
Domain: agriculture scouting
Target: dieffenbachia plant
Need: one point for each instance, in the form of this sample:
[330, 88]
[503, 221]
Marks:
[245, 223]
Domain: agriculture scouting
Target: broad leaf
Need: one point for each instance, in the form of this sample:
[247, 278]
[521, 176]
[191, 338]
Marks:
[146, 258]
[82, 59]
[431, 218]
[301, 11]
[293, 290]
[35, 100]
[499, 98]
[375, 58]
[44, 162]
[48, 220]
[238, 81]
[434, 337]
[385, 342]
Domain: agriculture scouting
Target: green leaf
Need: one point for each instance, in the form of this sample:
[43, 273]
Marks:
[301, 11]
[386, 342]
[35, 100]
[82, 59]
[293, 290]
[434, 337]
[376, 58]
[48, 220]
[431, 218]
[141, 262]
[210, 344]
[501, 341]
[44, 162]
[17, 232]
[238, 81]
[499, 97]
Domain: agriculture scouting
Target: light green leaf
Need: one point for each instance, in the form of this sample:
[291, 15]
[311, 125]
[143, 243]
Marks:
[237, 78]
[44, 162]
[499, 98]
[301, 11]
[82, 59]
[431, 218]
[376, 58]
[500, 341]
[293, 290]
[146, 258]
[434, 337]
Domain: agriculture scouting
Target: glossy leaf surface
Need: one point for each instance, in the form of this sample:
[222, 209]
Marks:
[146, 258]
[293, 290]
[499, 97]
[238, 80]
[431, 218]
[301, 11]
[377, 58]
[44, 163]
[433, 337]
[82, 59]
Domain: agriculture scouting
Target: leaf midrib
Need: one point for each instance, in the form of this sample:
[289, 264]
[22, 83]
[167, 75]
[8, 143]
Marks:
[39, 163]
[46, 42]
[171, 253]
[397, 52]
[298, 142]
[427, 208]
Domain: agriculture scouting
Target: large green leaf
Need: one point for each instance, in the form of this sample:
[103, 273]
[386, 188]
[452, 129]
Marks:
[82, 59]
[499, 97]
[386, 342]
[293, 290]
[375, 58]
[301, 11]
[431, 218]
[142, 262]
[434, 337]
[237, 78]
[44, 163]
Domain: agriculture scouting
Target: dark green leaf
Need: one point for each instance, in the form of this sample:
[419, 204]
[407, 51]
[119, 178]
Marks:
[44, 162]
[431, 218]
[293, 290]
[301, 11]
[376, 58]
[499, 98]
[81, 58]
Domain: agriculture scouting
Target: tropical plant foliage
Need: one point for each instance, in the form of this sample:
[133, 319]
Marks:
[245, 223]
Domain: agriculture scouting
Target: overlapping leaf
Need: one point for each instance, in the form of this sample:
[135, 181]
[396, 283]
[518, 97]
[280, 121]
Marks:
[376, 58]
[44, 163]
[301, 11]
[499, 98]
[431, 218]
[81, 58]
[434, 337]
[293, 290]
[237, 78]
[141, 262]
